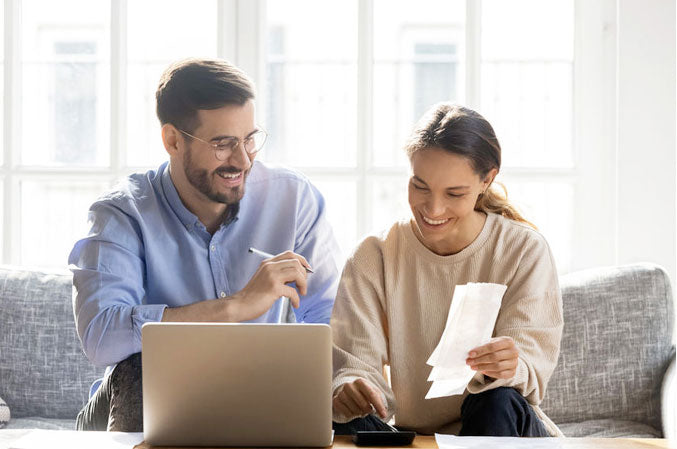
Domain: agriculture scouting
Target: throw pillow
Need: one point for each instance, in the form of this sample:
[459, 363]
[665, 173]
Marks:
[4, 413]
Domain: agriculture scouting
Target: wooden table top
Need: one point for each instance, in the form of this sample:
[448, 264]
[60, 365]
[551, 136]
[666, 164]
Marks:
[428, 442]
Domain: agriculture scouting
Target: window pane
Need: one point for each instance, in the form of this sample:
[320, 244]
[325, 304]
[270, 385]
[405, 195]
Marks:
[311, 83]
[527, 83]
[159, 33]
[341, 200]
[388, 202]
[65, 83]
[418, 61]
[549, 206]
[53, 217]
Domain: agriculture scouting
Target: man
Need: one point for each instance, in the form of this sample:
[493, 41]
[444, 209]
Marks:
[171, 244]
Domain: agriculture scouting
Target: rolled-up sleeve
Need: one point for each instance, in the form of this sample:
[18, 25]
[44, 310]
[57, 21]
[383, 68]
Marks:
[108, 287]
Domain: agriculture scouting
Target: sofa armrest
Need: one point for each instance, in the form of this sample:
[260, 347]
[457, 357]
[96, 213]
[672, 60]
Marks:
[669, 401]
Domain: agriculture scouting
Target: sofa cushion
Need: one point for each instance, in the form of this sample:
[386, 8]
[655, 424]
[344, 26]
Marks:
[616, 346]
[43, 371]
[608, 428]
[41, 423]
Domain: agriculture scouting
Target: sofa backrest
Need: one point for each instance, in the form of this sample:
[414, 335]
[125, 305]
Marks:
[616, 345]
[43, 371]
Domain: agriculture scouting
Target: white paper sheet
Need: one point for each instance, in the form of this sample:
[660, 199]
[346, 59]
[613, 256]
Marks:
[454, 442]
[71, 439]
[470, 323]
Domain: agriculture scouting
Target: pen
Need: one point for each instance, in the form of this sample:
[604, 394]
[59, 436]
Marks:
[390, 427]
[265, 254]
[379, 418]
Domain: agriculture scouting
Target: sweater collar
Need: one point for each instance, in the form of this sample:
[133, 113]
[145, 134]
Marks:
[475, 245]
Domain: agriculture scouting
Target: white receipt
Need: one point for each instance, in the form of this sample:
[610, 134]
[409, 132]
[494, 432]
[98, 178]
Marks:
[470, 323]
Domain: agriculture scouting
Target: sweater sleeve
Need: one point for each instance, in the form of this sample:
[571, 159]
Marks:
[359, 324]
[531, 313]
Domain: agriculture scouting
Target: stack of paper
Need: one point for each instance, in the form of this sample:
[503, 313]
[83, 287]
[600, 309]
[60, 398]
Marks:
[470, 323]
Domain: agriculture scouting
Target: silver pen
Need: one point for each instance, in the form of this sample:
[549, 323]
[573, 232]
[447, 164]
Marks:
[284, 300]
[268, 256]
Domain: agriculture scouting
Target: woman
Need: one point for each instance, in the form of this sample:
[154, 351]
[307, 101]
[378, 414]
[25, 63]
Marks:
[396, 290]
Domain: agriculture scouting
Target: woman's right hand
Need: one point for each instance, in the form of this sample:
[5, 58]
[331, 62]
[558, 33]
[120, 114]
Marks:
[358, 398]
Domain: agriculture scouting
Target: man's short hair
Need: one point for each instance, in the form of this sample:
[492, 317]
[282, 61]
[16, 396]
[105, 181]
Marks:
[193, 84]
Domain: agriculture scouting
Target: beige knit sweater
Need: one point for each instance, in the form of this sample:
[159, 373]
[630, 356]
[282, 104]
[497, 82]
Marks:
[392, 306]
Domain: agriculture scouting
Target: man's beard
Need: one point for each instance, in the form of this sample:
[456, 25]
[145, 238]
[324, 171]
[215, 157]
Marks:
[201, 180]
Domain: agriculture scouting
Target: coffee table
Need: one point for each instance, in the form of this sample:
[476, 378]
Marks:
[56, 438]
[428, 442]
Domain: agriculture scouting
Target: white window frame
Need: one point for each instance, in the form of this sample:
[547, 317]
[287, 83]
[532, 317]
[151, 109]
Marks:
[241, 27]
[596, 251]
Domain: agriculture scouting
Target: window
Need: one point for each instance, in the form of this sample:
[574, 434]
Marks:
[404, 57]
[74, 105]
[340, 86]
[158, 32]
[65, 101]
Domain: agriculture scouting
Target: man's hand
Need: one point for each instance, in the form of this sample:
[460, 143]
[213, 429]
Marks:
[356, 398]
[497, 359]
[264, 288]
[269, 283]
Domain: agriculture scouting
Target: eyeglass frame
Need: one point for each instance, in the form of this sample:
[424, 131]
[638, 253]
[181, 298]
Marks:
[239, 142]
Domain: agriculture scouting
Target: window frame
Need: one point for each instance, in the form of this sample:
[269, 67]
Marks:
[241, 27]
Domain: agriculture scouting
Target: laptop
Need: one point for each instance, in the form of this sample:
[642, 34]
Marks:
[219, 384]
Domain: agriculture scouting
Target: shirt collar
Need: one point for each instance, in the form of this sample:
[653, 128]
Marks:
[187, 217]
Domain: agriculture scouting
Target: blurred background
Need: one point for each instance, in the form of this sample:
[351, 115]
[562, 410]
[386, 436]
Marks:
[581, 95]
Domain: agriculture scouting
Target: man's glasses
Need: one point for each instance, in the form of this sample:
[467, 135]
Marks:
[225, 147]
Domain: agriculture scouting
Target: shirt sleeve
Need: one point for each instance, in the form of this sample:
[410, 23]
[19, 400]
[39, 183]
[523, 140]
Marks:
[531, 313]
[315, 241]
[359, 325]
[108, 287]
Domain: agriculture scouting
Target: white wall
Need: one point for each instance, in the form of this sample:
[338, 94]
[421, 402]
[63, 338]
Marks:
[645, 131]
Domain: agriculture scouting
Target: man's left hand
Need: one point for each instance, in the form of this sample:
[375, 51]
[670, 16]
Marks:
[497, 359]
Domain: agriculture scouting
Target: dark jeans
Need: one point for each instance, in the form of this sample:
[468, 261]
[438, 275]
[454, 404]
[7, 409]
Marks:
[498, 412]
[118, 403]
[501, 412]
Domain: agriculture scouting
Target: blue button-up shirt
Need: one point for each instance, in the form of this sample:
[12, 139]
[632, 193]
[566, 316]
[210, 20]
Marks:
[145, 251]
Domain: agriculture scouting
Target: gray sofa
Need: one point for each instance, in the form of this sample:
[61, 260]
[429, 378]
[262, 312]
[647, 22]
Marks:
[610, 381]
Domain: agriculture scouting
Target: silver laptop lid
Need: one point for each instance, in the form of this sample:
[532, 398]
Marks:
[237, 384]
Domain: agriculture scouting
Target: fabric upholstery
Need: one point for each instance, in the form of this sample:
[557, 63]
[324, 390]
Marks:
[41, 423]
[616, 347]
[608, 428]
[43, 371]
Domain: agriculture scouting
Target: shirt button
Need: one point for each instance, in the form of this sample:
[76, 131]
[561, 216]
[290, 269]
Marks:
[213, 248]
[223, 294]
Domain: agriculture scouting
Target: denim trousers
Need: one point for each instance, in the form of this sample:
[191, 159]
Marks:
[118, 403]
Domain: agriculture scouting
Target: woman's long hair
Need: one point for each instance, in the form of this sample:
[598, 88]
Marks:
[464, 132]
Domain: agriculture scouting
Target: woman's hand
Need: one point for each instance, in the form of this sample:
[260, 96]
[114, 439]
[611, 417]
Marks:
[358, 398]
[497, 359]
